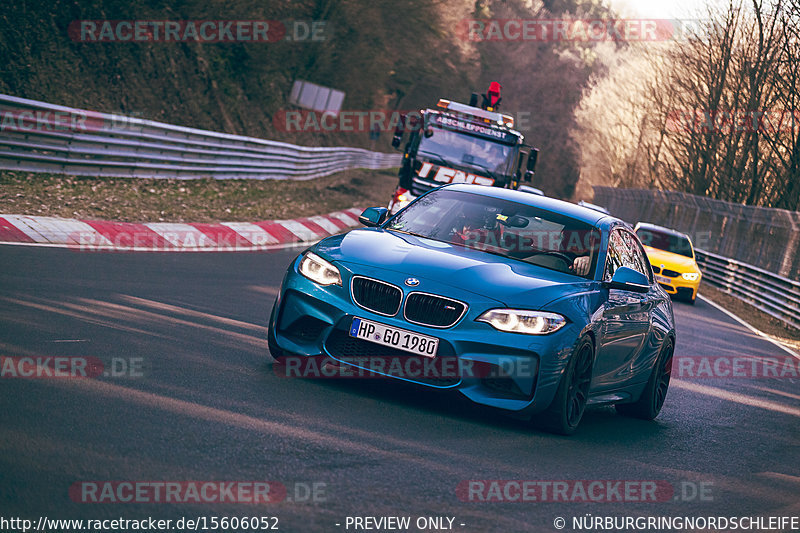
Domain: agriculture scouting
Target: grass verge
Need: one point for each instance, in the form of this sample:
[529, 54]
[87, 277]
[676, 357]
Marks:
[202, 200]
[755, 317]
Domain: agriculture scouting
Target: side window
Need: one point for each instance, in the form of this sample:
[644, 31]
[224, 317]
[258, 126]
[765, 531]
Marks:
[638, 259]
[623, 250]
[616, 252]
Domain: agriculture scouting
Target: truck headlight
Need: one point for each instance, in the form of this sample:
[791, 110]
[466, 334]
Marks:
[523, 321]
[319, 271]
[690, 276]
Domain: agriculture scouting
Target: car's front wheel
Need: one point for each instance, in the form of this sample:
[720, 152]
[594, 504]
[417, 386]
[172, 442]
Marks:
[569, 404]
[655, 392]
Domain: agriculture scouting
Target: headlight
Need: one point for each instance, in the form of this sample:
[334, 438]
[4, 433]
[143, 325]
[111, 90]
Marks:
[319, 271]
[523, 321]
[690, 276]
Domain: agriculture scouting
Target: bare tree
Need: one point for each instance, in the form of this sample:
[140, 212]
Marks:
[718, 115]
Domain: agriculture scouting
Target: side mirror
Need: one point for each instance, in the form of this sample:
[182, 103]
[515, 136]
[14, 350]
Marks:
[428, 132]
[399, 130]
[373, 216]
[628, 279]
[533, 156]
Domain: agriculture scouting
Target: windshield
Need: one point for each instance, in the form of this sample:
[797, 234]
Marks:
[464, 149]
[503, 227]
[669, 242]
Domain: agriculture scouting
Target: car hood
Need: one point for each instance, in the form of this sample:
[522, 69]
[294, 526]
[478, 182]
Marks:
[670, 260]
[508, 281]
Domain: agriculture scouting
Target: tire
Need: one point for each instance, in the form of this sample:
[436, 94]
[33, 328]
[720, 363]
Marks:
[652, 399]
[569, 403]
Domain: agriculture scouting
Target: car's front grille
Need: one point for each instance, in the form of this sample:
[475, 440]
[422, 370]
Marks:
[371, 356]
[376, 296]
[431, 310]
[667, 272]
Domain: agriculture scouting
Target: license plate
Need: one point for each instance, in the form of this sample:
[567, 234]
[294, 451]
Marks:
[663, 279]
[396, 338]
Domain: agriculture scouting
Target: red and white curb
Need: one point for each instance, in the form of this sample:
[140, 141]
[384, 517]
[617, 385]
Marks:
[89, 235]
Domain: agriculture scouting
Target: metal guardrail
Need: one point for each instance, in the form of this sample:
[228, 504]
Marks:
[773, 294]
[40, 137]
[749, 252]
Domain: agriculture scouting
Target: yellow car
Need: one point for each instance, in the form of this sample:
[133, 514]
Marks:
[672, 256]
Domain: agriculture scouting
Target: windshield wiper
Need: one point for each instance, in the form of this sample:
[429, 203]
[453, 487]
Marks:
[439, 159]
[485, 169]
[408, 232]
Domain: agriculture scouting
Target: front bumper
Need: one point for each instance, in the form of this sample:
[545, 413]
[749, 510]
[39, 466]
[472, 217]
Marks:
[515, 372]
[681, 287]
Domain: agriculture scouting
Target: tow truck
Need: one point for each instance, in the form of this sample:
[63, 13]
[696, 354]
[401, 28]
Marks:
[459, 143]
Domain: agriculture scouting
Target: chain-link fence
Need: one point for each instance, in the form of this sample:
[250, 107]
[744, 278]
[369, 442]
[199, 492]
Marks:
[764, 237]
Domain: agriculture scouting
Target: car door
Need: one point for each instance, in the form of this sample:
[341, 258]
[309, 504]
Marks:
[626, 314]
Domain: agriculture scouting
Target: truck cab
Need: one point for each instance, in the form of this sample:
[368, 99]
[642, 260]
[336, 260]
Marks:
[459, 143]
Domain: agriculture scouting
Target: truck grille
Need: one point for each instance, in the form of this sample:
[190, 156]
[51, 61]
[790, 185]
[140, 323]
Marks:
[376, 296]
[432, 310]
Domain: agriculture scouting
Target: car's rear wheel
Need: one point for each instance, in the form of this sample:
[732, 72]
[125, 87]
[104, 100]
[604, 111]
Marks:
[569, 404]
[655, 392]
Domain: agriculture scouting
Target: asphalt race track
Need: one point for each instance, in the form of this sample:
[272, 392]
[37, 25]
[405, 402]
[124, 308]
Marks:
[191, 395]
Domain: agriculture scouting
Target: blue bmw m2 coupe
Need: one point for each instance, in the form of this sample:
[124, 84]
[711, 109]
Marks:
[528, 304]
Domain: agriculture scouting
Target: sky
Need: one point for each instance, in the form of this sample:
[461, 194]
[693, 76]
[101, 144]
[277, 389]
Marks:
[665, 9]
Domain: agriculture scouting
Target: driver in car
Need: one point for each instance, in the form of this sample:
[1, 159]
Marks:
[580, 265]
[574, 243]
[477, 228]
[482, 230]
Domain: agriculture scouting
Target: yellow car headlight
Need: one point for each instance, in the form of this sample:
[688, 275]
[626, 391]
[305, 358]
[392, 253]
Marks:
[691, 276]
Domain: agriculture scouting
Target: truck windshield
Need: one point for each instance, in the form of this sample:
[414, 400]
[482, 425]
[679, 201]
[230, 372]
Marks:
[468, 150]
